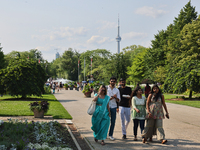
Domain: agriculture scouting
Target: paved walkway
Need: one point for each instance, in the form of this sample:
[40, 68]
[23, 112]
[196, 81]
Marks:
[182, 129]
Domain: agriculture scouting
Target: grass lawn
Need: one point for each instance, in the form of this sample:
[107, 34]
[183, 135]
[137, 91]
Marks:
[191, 103]
[187, 103]
[21, 108]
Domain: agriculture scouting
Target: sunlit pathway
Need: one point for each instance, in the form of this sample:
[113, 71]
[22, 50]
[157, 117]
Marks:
[182, 129]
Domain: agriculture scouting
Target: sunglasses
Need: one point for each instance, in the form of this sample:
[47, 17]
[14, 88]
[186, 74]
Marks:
[112, 81]
[104, 90]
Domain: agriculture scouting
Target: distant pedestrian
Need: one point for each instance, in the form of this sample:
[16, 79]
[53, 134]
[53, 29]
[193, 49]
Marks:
[138, 112]
[54, 87]
[147, 90]
[61, 85]
[100, 118]
[124, 106]
[155, 104]
[114, 95]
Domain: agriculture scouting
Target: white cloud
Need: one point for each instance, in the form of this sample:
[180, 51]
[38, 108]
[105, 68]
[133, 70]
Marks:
[146, 44]
[132, 35]
[150, 11]
[96, 39]
[62, 33]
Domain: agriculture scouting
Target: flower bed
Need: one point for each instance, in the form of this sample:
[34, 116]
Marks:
[34, 135]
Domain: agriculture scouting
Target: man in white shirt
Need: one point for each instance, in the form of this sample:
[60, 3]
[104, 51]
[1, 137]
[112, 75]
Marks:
[114, 94]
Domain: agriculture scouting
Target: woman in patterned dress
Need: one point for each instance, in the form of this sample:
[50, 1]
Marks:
[155, 104]
[138, 112]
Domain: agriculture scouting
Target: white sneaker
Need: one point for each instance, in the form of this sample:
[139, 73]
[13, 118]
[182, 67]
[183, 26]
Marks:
[111, 138]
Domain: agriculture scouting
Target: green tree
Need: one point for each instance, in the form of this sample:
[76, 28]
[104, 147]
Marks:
[100, 60]
[2, 59]
[184, 69]
[23, 77]
[69, 63]
[137, 71]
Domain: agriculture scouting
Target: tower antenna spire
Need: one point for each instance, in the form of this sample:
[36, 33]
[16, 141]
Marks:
[118, 38]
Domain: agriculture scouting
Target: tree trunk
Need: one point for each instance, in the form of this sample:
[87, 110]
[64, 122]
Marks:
[190, 95]
[23, 97]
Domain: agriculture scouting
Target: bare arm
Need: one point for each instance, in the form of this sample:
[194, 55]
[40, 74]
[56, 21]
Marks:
[117, 97]
[95, 98]
[164, 105]
[134, 106]
[148, 102]
[131, 94]
[108, 109]
[147, 105]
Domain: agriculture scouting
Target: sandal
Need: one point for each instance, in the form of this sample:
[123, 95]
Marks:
[95, 140]
[135, 139]
[164, 141]
[102, 143]
[150, 140]
[144, 140]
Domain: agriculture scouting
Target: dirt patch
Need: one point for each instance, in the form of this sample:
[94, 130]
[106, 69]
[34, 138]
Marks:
[81, 141]
[176, 99]
[66, 136]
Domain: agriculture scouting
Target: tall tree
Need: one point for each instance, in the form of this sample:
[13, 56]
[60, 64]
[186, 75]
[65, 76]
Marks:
[2, 59]
[137, 71]
[184, 70]
[99, 59]
[69, 63]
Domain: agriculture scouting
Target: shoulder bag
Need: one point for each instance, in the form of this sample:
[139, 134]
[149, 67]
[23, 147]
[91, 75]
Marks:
[92, 108]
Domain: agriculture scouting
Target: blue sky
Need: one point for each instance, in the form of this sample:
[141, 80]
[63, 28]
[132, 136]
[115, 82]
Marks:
[83, 24]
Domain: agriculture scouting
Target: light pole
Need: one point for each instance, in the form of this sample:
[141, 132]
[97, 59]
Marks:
[91, 65]
[78, 69]
[84, 68]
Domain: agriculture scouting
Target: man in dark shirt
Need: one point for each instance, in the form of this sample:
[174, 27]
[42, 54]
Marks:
[124, 106]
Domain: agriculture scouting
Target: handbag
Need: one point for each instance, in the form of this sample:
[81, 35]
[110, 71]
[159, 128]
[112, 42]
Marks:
[92, 108]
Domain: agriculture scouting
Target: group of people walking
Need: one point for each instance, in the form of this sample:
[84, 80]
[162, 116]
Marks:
[131, 105]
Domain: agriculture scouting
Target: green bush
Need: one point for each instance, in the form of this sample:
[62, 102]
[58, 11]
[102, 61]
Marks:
[23, 77]
[47, 89]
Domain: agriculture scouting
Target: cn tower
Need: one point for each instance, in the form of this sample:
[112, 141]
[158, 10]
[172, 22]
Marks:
[118, 39]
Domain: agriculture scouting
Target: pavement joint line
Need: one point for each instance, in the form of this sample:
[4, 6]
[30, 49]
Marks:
[74, 139]
[86, 140]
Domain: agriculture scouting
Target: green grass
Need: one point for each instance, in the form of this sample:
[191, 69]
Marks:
[187, 103]
[168, 96]
[21, 108]
[191, 103]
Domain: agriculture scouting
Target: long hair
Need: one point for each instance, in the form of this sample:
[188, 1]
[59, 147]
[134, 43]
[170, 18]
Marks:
[136, 90]
[157, 95]
[103, 86]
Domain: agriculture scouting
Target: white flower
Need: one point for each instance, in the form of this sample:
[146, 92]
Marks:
[3, 147]
[1, 122]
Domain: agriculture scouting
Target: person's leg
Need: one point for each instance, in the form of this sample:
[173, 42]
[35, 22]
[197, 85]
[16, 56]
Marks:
[135, 127]
[102, 142]
[148, 130]
[127, 113]
[113, 118]
[121, 114]
[142, 125]
[160, 131]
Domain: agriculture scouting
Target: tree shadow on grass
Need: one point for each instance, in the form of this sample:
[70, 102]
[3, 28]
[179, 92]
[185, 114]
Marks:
[27, 99]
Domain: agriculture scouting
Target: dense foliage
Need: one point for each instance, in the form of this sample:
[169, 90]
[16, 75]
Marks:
[23, 77]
